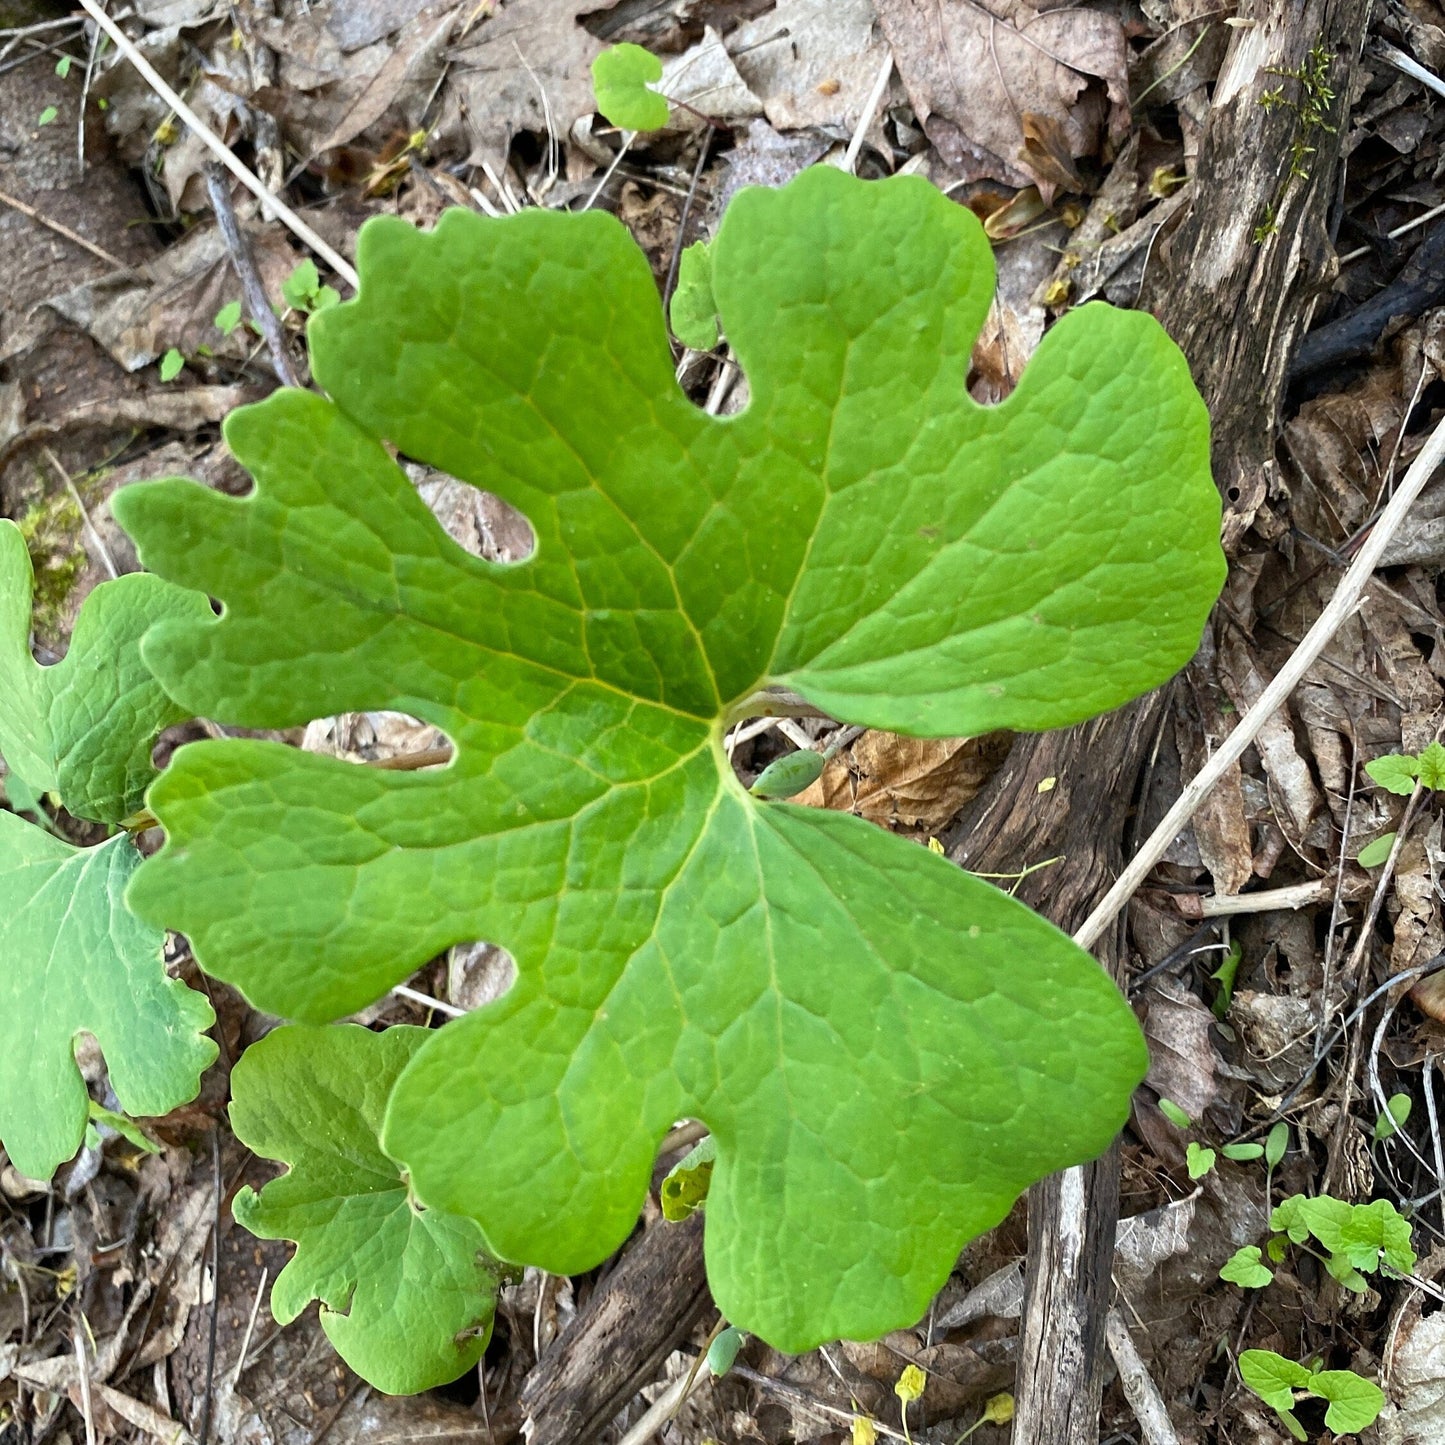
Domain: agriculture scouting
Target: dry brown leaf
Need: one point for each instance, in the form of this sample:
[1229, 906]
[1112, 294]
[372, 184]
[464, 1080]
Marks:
[909, 782]
[514, 57]
[707, 83]
[1008, 90]
[812, 63]
[1415, 908]
[1184, 1065]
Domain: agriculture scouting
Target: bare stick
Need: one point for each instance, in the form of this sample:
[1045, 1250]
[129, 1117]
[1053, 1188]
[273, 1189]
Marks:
[870, 109]
[73, 237]
[95, 536]
[1139, 1388]
[220, 149]
[257, 302]
[1340, 606]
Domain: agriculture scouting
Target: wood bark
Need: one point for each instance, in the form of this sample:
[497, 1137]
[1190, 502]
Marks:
[1234, 281]
[637, 1316]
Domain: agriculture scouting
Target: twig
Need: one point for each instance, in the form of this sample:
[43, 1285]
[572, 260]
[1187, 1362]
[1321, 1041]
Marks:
[1139, 1388]
[1267, 900]
[84, 99]
[1408, 65]
[870, 109]
[257, 302]
[250, 1330]
[427, 1001]
[220, 149]
[1340, 606]
[703, 147]
[82, 1370]
[801, 1398]
[75, 239]
[95, 536]
[204, 1434]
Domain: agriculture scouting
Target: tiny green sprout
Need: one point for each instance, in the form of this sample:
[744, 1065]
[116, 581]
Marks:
[1397, 1111]
[1395, 772]
[787, 776]
[128, 1130]
[1199, 1160]
[1247, 1269]
[1275, 1144]
[1224, 976]
[724, 1350]
[228, 318]
[1175, 1114]
[1375, 853]
[171, 364]
[62, 66]
[1242, 1153]
[302, 290]
[622, 80]
[47, 115]
[693, 309]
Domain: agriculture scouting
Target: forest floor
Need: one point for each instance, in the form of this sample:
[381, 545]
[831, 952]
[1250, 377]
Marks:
[1277, 976]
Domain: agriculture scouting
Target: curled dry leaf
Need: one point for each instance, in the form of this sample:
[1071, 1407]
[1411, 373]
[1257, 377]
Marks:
[1009, 92]
[906, 782]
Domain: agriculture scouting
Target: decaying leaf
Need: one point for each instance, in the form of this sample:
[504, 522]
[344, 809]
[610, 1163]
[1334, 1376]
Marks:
[906, 782]
[1011, 92]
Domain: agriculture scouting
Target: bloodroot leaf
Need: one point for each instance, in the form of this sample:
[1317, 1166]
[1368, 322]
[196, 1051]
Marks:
[73, 959]
[622, 80]
[407, 1294]
[885, 1049]
[85, 727]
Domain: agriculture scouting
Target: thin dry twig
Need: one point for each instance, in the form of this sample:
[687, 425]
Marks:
[74, 237]
[1341, 605]
[105, 557]
[257, 302]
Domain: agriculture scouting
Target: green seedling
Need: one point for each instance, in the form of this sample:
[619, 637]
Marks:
[1399, 772]
[1397, 1111]
[302, 290]
[171, 365]
[228, 318]
[693, 311]
[623, 77]
[881, 1046]
[1354, 1403]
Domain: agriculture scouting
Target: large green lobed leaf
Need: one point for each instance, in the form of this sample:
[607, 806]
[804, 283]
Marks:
[407, 1294]
[886, 1049]
[85, 727]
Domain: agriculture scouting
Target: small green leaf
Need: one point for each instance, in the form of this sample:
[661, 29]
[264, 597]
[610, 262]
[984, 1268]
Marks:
[693, 311]
[1374, 853]
[171, 364]
[789, 775]
[1339, 1268]
[724, 1350]
[1432, 766]
[75, 960]
[1355, 1403]
[1242, 1153]
[21, 797]
[228, 318]
[300, 288]
[1273, 1378]
[1225, 975]
[85, 727]
[1246, 1268]
[47, 115]
[1175, 1114]
[1198, 1160]
[1288, 1216]
[128, 1129]
[326, 296]
[1397, 1111]
[622, 77]
[407, 1294]
[1395, 772]
[684, 1190]
[1276, 1144]
[62, 66]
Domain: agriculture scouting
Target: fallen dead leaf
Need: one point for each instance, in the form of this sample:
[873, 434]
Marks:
[908, 782]
[1007, 91]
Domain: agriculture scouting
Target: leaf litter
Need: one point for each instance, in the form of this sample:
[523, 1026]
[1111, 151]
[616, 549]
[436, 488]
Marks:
[1301, 811]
